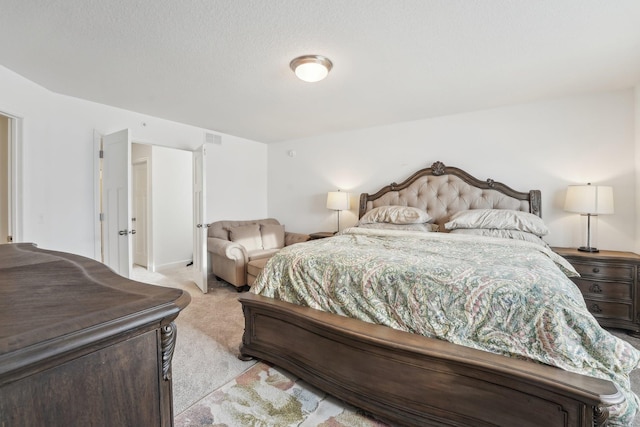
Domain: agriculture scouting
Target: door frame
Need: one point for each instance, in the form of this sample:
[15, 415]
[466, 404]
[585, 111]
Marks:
[14, 164]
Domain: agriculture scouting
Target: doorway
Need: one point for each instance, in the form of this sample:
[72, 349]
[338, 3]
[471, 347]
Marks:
[159, 227]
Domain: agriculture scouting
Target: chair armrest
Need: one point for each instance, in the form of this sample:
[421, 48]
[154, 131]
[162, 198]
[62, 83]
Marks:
[291, 238]
[225, 248]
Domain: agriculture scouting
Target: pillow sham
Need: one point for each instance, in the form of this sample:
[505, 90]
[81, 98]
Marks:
[247, 236]
[395, 215]
[410, 227]
[504, 219]
[504, 234]
[272, 236]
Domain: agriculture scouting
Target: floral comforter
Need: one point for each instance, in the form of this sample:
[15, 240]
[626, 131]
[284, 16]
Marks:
[503, 296]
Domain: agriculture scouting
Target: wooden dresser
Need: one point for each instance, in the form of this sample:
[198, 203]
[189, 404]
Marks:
[609, 284]
[81, 345]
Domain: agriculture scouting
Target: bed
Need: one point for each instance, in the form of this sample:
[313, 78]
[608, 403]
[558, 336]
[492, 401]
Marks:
[426, 362]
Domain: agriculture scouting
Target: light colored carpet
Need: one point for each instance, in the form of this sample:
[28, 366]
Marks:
[206, 368]
[209, 335]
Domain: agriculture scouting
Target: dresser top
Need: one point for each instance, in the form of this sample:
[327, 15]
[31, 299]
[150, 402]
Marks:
[602, 254]
[48, 297]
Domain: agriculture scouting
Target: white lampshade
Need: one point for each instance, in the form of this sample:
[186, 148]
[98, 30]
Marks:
[337, 200]
[589, 199]
[311, 68]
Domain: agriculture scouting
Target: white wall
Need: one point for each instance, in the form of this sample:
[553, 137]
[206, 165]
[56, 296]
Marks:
[236, 176]
[58, 161]
[545, 145]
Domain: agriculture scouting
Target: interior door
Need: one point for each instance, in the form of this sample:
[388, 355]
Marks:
[199, 212]
[116, 174]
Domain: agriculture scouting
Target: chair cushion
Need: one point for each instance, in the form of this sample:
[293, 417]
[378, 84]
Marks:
[255, 267]
[247, 235]
[272, 236]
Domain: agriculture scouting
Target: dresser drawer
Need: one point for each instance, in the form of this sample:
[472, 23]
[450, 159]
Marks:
[604, 271]
[607, 309]
[606, 290]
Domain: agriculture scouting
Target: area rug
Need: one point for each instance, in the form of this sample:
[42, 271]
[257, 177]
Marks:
[267, 396]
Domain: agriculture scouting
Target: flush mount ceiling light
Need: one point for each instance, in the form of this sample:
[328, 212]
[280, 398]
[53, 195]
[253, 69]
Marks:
[311, 68]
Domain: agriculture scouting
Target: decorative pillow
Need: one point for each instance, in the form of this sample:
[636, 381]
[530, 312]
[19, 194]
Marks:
[504, 219]
[411, 227]
[272, 236]
[247, 235]
[505, 234]
[395, 215]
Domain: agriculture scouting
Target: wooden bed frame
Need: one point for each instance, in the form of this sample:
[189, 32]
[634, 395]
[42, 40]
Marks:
[409, 379]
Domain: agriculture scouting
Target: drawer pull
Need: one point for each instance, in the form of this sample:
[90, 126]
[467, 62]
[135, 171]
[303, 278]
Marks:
[596, 270]
[595, 289]
[595, 308]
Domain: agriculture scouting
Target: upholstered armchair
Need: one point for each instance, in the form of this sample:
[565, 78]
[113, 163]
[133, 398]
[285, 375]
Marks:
[232, 245]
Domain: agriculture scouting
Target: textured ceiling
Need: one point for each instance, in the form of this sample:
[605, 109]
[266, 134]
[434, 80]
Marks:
[223, 64]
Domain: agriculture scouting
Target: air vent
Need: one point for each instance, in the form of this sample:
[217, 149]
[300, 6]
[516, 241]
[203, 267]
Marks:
[212, 138]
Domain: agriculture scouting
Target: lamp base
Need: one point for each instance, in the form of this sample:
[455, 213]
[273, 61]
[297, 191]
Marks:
[588, 249]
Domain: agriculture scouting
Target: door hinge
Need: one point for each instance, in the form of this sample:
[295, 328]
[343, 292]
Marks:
[101, 217]
[101, 154]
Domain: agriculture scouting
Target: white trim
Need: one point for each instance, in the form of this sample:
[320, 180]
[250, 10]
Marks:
[97, 189]
[174, 264]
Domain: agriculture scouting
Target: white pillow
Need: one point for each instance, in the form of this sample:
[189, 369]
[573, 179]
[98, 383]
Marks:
[272, 236]
[395, 215]
[410, 227]
[247, 235]
[504, 219]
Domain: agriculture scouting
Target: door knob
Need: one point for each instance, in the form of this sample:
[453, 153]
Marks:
[123, 232]
[132, 232]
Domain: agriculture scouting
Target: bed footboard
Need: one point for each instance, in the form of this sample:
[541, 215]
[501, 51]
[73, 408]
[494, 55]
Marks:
[414, 380]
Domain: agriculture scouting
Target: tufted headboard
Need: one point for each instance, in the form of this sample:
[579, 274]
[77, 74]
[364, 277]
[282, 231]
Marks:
[442, 191]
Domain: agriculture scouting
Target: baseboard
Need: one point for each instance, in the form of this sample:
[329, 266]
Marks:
[170, 265]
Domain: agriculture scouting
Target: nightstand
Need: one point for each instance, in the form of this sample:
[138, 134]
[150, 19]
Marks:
[321, 235]
[609, 284]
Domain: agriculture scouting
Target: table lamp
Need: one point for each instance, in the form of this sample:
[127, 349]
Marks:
[589, 200]
[338, 201]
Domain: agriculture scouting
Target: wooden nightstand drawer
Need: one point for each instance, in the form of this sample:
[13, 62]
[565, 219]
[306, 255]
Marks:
[613, 310]
[604, 271]
[609, 285]
[606, 290]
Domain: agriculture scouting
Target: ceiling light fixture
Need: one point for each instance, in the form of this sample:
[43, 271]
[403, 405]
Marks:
[311, 68]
